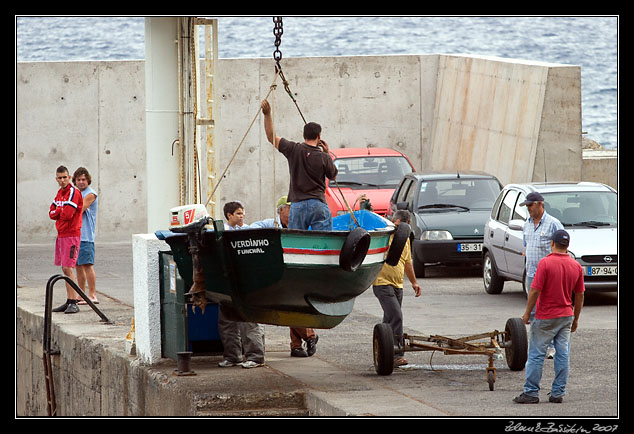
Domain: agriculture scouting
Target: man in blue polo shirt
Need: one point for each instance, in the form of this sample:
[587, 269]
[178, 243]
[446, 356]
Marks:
[538, 230]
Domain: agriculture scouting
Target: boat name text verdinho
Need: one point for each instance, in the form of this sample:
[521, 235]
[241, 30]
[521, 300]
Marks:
[246, 247]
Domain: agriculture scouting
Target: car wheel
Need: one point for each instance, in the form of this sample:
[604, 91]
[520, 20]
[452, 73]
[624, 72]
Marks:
[419, 266]
[493, 284]
[524, 287]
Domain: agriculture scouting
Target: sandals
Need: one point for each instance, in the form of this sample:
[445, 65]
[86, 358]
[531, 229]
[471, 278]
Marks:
[82, 301]
[400, 361]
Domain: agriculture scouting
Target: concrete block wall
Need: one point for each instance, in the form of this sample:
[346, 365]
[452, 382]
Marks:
[89, 114]
[504, 116]
[559, 152]
[600, 166]
[500, 116]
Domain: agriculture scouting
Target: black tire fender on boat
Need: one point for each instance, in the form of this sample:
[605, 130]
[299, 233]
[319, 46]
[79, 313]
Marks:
[354, 249]
[398, 244]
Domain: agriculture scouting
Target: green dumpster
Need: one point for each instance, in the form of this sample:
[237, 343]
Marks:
[183, 326]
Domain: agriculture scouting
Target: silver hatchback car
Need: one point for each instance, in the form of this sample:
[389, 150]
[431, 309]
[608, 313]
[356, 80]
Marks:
[588, 211]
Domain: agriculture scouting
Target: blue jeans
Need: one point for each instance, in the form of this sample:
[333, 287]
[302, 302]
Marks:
[543, 331]
[310, 213]
[529, 283]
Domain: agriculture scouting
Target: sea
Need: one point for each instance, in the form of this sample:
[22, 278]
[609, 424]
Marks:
[591, 42]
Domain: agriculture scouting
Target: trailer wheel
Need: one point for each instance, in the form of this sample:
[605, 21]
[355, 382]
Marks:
[383, 349]
[354, 249]
[398, 244]
[516, 344]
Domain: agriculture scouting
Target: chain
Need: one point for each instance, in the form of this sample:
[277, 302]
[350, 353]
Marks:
[278, 30]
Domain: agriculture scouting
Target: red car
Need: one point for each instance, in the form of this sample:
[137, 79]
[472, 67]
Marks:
[374, 172]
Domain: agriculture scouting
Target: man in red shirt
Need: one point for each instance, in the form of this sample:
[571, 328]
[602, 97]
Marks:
[66, 211]
[556, 278]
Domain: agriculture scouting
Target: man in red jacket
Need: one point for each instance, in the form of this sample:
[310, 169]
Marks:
[66, 211]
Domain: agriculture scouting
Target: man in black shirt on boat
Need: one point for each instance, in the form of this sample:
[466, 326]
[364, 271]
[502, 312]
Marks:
[309, 165]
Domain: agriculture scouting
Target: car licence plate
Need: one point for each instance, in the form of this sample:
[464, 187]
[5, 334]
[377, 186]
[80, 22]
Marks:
[602, 271]
[469, 247]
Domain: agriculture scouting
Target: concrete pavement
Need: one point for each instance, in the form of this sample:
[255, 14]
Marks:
[340, 379]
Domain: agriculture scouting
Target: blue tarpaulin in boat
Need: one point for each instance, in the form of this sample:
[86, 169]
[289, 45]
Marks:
[367, 220]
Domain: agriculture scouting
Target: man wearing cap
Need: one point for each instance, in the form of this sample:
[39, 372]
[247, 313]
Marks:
[282, 209]
[556, 278]
[538, 229]
[298, 334]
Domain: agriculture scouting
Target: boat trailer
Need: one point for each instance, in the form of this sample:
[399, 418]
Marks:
[513, 340]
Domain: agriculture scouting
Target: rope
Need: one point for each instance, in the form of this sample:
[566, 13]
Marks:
[278, 70]
[192, 55]
[272, 87]
[274, 154]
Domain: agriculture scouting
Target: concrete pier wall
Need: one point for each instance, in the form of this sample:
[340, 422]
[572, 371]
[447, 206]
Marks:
[93, 375]
[504, 116]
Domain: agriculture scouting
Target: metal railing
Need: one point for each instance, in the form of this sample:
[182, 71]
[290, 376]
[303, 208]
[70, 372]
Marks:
[46, 340]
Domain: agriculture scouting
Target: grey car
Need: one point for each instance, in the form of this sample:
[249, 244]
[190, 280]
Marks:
[587, 210]
[449, 210]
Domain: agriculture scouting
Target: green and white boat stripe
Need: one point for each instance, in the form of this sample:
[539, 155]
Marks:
[325, 250]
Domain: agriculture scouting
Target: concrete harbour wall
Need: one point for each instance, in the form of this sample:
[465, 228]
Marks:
[93, 375]
[96, 374]
[504, 116]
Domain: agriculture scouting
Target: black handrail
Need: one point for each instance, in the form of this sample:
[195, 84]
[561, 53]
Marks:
[46, 340]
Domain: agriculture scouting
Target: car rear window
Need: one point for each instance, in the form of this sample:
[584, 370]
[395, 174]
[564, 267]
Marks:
[468, 193]
[371, 171]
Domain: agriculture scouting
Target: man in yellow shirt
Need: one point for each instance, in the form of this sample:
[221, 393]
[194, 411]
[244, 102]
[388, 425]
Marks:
[388, 288]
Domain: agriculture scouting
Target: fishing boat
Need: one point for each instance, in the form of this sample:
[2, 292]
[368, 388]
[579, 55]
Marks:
[288, 277]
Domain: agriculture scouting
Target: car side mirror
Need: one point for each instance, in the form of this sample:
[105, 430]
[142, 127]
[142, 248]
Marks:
[402, 205]
[516, 224]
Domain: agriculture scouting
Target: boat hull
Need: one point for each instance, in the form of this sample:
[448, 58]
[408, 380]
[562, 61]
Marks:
[281, 276]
